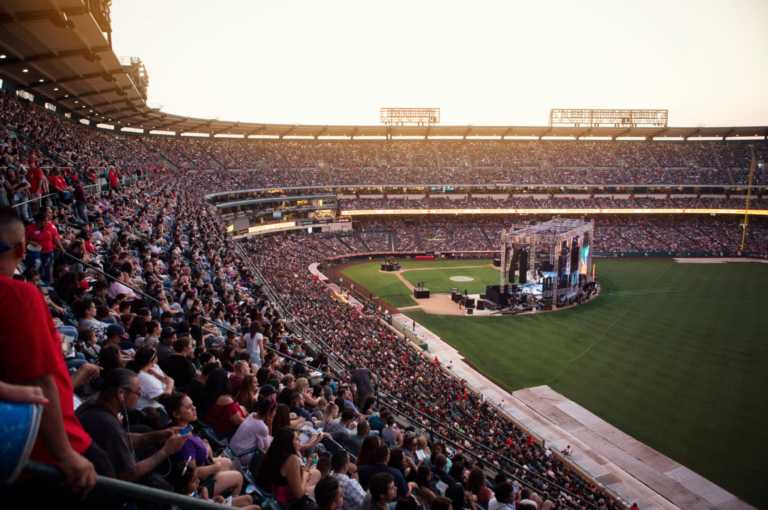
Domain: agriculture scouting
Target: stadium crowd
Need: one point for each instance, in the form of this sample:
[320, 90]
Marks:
[316, 163]
[548, 202]
[222, 370]
[183, 369]
[614, 235]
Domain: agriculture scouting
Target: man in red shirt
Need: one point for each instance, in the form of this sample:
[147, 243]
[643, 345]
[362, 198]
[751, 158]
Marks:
[45, 234]
[38, 183]
[57, 181]
[114, 180]
[30, 354]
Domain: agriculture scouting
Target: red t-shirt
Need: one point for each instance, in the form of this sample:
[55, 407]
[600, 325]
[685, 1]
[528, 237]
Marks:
[219, 418]
[35, 178]
[45, 236]
[30, 347]
[113, 177]
[57, 182]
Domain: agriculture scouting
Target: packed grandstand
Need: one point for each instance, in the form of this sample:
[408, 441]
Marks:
[134, 264]
[167, 321]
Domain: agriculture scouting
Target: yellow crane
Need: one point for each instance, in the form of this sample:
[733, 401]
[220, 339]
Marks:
[752, 166]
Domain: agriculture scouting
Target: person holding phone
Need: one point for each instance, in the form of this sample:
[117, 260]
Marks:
[215, 473]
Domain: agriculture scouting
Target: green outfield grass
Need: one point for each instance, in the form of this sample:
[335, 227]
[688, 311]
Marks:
[675, 355]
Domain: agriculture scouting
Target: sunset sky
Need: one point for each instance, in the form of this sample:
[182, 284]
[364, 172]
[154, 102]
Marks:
[482, 62]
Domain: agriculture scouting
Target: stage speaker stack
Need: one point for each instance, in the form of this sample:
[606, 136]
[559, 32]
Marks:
[494, 294]
[546, 291]
[480, 304]
[523, 278]
[469, 303]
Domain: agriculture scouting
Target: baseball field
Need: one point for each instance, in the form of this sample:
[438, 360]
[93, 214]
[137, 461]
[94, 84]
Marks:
[673, 354]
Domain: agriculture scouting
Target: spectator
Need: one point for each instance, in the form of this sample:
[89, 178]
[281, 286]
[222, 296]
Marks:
[45, 237]
[179, 365]
[354, 494]
[254, 431]
[441, 503]
[101, 418]
[153, 382]
[254, 345]
[381, 457]
[362, 379]
[504, 497]
[167, 340]
[477, 487]
[248, 393]
[20, 393]
[356, 441]
[30, 355]
[216, 473]
[328, 494]
[281, 471]
[382, 491]
[220, 409]
[186, 481]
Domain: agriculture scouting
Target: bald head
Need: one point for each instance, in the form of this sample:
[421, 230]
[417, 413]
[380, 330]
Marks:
[11, 238]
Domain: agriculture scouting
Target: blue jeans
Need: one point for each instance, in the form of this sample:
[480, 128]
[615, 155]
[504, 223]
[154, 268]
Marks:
[80, 212]
[46, 267]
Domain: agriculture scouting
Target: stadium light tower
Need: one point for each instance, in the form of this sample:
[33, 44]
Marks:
[409, 116]
[607, 117]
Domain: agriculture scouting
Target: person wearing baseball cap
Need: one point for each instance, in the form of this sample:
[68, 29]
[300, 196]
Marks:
[165, 347]
[116, 335]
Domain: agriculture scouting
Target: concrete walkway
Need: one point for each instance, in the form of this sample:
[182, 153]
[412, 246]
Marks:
[628, 468]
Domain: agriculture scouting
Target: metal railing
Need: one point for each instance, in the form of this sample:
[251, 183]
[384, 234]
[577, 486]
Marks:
[129, 490]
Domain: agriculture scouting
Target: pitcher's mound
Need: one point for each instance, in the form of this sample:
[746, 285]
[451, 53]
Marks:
[462, 279]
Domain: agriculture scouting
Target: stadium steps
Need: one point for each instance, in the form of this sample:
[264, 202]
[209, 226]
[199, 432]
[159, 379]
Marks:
[173, 164]
[212, 157]
[30, 144]
[345, 243]
[361, 240]
[327, 245]
[487, 238]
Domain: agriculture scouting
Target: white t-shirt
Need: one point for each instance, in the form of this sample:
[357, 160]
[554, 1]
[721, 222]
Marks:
[151, 388]
[253, 432]
[118, 288]
[253, 346]
[497, 505]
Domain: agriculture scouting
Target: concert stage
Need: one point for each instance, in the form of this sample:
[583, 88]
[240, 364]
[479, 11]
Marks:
[548, 265]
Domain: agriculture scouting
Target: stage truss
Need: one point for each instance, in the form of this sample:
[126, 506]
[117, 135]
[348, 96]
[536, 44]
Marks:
[556, 254]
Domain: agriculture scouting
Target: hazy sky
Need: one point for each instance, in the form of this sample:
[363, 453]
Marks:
[480, 62]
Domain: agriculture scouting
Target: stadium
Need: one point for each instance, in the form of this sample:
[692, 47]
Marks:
[198, 312]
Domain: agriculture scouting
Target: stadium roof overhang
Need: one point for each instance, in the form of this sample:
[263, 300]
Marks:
[59, 51]
[56, 50]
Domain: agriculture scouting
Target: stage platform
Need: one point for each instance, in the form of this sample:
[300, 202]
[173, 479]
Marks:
[627, 467]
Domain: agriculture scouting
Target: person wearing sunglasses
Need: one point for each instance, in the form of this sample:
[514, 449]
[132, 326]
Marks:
[105, 419]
